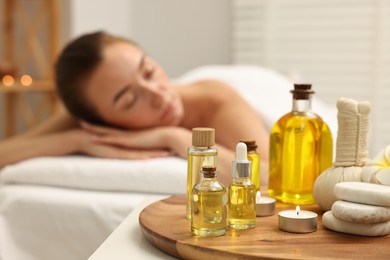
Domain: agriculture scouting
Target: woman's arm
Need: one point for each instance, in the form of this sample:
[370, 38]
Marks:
[61, 135]
[173, 140]
[49, 138]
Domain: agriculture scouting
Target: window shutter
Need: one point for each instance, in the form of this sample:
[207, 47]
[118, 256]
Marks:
[342, 47]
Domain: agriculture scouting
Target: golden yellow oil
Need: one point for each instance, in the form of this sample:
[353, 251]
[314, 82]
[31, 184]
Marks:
[255, 177]
[208, 212]
[301, 147]
[196, 159]
[242, 205]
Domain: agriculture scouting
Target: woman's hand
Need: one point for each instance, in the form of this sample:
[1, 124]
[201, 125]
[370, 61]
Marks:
[88, 144]
[158, 141]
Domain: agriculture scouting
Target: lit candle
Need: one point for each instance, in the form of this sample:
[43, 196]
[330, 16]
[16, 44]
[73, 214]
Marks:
[265, 206]
[298, 221]
[8, 80]
[26, 80]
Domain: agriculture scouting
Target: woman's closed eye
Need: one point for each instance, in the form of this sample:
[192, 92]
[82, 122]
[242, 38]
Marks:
[128, 100]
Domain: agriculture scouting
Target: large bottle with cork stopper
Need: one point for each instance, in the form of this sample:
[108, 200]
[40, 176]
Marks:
[201, 153]
[301, 148]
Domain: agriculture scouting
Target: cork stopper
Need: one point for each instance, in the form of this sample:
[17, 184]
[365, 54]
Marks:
[203, 136]
[302, 91]
[209, 171]
[250, 145]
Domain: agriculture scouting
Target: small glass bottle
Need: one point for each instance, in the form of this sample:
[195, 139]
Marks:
[208, 205]
[242, 192]
[254, 157]
[301, 148]
[201, 153]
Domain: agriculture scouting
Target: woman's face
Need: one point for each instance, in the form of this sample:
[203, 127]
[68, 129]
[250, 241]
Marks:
[129, 90]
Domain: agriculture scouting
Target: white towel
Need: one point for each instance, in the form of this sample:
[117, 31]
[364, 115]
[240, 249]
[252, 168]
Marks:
[160, 175]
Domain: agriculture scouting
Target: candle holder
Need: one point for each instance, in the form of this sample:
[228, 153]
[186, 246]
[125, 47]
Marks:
[298, 221]
[265, 206]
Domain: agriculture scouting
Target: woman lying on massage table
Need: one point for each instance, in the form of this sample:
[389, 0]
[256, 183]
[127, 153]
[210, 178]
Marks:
[119, 103]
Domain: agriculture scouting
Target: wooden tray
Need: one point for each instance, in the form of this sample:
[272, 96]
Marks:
[164, 224]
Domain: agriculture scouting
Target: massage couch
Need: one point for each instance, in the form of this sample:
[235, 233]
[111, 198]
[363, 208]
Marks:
[64, 207]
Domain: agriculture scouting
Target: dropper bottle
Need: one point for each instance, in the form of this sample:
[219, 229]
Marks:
[242, 192]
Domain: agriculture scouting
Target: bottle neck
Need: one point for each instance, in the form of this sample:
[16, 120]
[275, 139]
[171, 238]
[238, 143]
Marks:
[302, 105]
[241, 180]
[209, 177]
[241, 169]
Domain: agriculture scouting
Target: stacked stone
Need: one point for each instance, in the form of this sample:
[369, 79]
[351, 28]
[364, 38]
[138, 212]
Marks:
[361, 209]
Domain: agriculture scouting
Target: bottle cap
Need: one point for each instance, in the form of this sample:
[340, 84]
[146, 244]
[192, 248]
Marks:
[241, 167]
[302, 91]
[203, 136]
[250, 144]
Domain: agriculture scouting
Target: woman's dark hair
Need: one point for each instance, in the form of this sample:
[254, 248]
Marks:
[72, 69]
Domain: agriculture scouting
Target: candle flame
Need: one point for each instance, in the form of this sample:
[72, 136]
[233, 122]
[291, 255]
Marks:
[8, 80]
[258, 195]
[26, 80]
[297, 209]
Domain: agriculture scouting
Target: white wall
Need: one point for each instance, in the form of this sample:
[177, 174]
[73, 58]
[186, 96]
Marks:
[90, 15]
[183, 34]
[179, 34]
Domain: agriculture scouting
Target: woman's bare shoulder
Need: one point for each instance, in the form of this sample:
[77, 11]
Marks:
[210, 83]
[212, 88]
[215, 97]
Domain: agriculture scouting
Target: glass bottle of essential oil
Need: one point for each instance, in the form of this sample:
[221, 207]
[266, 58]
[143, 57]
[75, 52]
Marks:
[301, 148]
[242, 192]
[254, 157]
[201, 153]
[208, 205]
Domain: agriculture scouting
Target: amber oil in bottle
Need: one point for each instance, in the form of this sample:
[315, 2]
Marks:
[301, 148]
[242, 192]
[201, 153]
[208, 205]
[254, 157]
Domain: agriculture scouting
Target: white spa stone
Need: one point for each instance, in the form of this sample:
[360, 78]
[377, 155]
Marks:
[360, 213]
[362, 229]
[362, 192]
